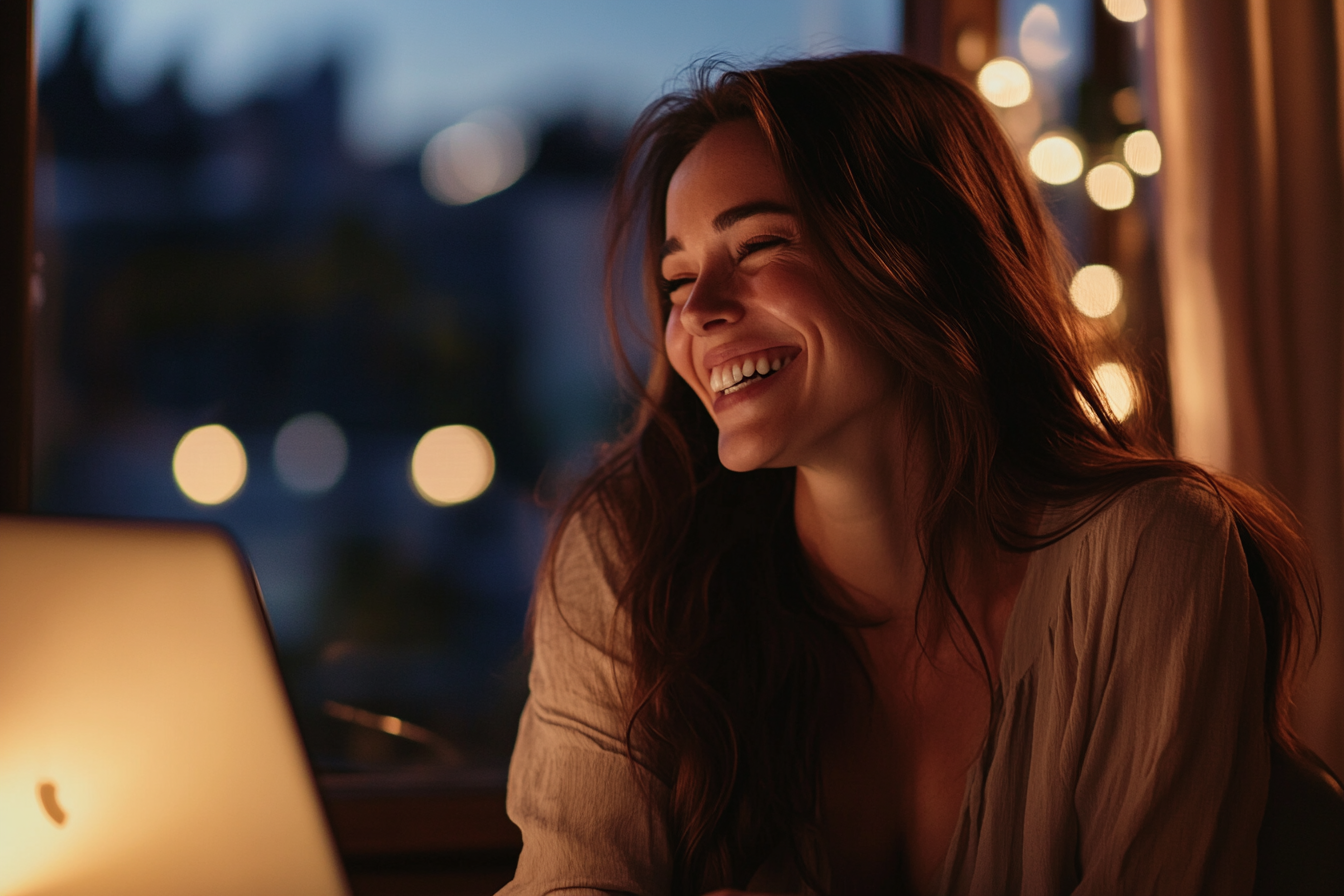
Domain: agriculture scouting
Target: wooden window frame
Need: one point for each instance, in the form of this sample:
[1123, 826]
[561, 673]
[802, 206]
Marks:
[18, 140]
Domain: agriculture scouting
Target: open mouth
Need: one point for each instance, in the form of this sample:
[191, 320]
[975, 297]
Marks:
[742, 372]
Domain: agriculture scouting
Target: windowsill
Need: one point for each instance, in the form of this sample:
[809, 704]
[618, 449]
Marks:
[410, 813]
[414, 832]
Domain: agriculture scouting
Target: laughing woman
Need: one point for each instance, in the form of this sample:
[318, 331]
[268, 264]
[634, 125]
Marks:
[875, 595]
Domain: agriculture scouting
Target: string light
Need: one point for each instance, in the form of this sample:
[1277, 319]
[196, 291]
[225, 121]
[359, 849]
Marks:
[1005, 82]
[972, 48]
[1055, 159]
[1142, 152]
[1110, 185]
[1127, 10]
[1096, 290]
[1116, 385]
[1039, 38]
[1127, 106]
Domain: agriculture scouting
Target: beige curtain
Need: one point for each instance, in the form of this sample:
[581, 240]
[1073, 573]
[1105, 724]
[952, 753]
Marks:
[1248, 97]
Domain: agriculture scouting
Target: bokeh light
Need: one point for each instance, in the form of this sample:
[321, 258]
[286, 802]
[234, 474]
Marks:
[1116, 385]
[452, 464]
[1127, 106]
[1039, 38]
[1096, 290]
[1056, 159]
[484, 153]
[310, 453]
[1110, 185]
[972, 48]
[1142, 152]
[1005, 82]
[1127, 10]
[209, 464]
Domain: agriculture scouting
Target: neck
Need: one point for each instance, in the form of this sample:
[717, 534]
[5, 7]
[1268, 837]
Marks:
[857, 520]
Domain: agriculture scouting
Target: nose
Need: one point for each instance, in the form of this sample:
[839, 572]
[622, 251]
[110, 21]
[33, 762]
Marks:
[712, 303]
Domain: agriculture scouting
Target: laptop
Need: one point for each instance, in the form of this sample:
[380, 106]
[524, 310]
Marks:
[147, 746]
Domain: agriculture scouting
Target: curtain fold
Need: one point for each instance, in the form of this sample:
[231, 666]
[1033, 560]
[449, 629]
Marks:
[1249, 112]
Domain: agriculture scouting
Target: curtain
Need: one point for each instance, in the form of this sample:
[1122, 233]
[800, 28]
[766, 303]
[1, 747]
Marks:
[1248, 97]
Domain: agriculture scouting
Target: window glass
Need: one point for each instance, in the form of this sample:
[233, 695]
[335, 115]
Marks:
[328, 274]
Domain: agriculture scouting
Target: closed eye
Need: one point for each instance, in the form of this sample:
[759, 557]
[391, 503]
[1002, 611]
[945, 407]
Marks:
[670, 286]
[757, 243]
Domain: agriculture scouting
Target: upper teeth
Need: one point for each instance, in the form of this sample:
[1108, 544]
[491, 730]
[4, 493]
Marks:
[734, 372]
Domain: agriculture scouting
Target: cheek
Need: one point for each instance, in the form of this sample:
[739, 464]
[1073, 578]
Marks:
[677, 343]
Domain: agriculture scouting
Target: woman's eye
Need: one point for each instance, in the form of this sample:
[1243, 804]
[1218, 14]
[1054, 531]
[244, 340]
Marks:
[671, 286]
[756, 244]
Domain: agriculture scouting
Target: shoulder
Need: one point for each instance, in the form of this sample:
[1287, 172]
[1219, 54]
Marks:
[1169, 505]
[574, 597]
[1166, 549]
[1168, 521]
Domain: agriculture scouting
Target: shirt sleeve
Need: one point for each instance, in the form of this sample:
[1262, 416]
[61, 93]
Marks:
[1175, 771]
[592, 820]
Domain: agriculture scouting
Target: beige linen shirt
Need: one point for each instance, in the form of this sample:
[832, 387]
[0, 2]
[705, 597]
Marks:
[1129, 754]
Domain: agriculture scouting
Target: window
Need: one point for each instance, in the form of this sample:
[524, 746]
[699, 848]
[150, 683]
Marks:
[330, 274]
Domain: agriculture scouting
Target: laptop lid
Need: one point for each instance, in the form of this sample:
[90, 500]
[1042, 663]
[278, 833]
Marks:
[147, 745]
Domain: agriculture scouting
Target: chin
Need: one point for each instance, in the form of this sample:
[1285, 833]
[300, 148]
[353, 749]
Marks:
[742, 453]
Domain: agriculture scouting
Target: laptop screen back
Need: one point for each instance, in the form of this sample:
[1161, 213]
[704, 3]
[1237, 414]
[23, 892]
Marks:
[146, 743]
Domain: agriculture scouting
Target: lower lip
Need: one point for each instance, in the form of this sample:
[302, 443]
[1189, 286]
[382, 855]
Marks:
[724, 402]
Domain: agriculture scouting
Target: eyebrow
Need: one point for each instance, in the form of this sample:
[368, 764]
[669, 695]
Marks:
[727, 218]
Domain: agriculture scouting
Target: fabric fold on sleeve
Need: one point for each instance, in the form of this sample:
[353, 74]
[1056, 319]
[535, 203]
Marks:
[592, 820]
[1174, 770]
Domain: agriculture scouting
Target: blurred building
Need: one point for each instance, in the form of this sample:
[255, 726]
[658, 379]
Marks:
[244, 268]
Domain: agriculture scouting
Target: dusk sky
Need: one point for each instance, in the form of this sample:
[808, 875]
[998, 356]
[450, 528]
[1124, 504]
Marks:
[418, 65]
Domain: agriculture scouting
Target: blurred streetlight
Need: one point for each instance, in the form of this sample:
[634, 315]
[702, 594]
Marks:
[310, 453]
[452, 464]
[484, 153]
[209, 464]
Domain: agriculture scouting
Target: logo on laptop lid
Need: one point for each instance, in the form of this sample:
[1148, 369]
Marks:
[46, 795]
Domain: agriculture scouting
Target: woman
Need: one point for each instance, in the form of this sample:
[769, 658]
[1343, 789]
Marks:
[876, 595]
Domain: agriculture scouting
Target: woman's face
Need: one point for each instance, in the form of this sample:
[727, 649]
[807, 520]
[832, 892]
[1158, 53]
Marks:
[751, 330]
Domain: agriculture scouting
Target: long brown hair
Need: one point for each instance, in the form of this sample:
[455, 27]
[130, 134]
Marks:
[937, 247]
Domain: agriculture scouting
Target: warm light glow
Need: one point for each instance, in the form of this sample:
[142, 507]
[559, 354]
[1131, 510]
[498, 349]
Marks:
[1142, 152]
[210, 464]
[1127, 10]
[1110, 185]
[452, 464]
[1116, 386]
[310, 453]
[1040, 40]
[1004, 82]
[1096, 290]
[972, 48]
[1056, 159]
[484, 153]
[1127, 106]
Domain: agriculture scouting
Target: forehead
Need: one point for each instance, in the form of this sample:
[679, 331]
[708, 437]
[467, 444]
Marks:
[731, 164]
